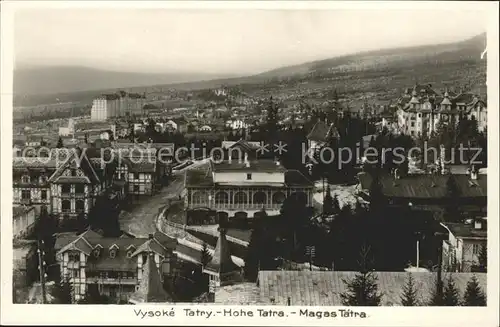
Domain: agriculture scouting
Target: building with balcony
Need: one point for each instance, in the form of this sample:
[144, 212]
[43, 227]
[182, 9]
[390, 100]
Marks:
[116, 266]
[243, 189]
[462, 249]
[421, 109]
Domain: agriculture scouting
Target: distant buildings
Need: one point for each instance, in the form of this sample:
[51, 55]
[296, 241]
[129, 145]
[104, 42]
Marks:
[422, 108]
[117, 105]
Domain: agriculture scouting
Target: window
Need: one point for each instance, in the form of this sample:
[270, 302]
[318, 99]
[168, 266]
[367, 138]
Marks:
[43, 195]
[66, 205]
[278, 197]
[200, 197]
[136, 175]
[136, 188]
[221, 198]
[112, 253]
[26, 194]
[129, 254]
[65, 188]
[97, 252]
[80, 206]
[476, 249]
[412, 124]
[419, 115]
[240, 198]
[42, 179]
[249, 177]
[79, 188]
[259, 198]
[25, 179]
[73, 172]
[74, 256]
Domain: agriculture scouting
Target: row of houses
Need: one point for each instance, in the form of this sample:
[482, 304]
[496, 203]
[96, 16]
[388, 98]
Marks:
[68, 181]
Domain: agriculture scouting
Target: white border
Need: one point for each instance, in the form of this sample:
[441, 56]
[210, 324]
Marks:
[110, 314]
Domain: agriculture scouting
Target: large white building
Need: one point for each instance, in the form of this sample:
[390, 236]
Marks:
[117, 105]
[421, 109]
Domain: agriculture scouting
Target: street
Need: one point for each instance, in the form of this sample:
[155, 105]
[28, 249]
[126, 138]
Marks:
[141, 218]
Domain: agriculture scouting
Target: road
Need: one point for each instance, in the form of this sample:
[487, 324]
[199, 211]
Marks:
[140, 219]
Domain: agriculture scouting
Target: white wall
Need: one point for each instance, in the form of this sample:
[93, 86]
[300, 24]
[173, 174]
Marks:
[257, 177]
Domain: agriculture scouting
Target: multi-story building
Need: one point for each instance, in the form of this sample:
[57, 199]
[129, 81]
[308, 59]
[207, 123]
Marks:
[143, 166]
[117, 105]
[66, 182]
[421, 109]
[115, 266]
[23, 221]
[242, 189]
[461, 251]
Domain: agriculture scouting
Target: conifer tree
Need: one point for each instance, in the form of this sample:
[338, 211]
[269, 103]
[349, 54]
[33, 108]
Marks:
[409, 296]
[362, 290]
[336, 204]
[474, 295]
[437, 294]
[205, 255]
[450, 294]
[60, 143]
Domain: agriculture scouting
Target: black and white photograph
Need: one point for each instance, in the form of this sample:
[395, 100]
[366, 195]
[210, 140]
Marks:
[285, 163]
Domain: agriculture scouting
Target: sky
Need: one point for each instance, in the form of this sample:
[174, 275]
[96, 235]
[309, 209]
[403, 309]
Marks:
[224, 41]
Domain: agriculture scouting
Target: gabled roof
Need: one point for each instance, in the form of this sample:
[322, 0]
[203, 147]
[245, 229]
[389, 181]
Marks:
[321, 131]
[76, 161]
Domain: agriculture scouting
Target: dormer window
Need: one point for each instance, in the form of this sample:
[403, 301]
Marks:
[97, 251]
[43, 179]
[25, 179]
[129, 253]
[112, 253]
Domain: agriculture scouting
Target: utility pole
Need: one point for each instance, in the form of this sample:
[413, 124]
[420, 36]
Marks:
[41, 264]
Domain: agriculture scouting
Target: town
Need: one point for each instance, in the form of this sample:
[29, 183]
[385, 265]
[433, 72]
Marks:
[116, 215]
[152, 163]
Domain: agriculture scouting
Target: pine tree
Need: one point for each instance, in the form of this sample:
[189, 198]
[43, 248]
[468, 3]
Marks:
[451, 211]
[362, 290]
[450, 294]
[437, 298]
[92, 296]
[60, 143]
[205, 255]
[62, 292]
[409, 296]
[474, 295]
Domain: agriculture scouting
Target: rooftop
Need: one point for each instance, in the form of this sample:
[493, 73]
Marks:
[427, 186]
[323, 288]
[466, 230]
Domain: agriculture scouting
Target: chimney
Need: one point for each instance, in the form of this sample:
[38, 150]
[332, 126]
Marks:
[473, 173]
[150, 236]
[478, 224]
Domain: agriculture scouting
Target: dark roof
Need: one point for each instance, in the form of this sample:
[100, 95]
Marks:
[71, 180]
[323, 288]
[427, 186]
[296, 178]
[150, 287]
[466, 230]
[320, 131]
[199, 177]
[465, 98]
[221, 259]
[76, 161]
[140, 165]
[263, 165]
[86, 242]
[33, 163]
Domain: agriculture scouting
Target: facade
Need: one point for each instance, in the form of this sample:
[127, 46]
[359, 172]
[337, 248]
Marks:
[142, 167]
[23, 222]
[115, 266]
[65, 182]
[421, 109]
[243, 189]
[462, 249]
[117, 105]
